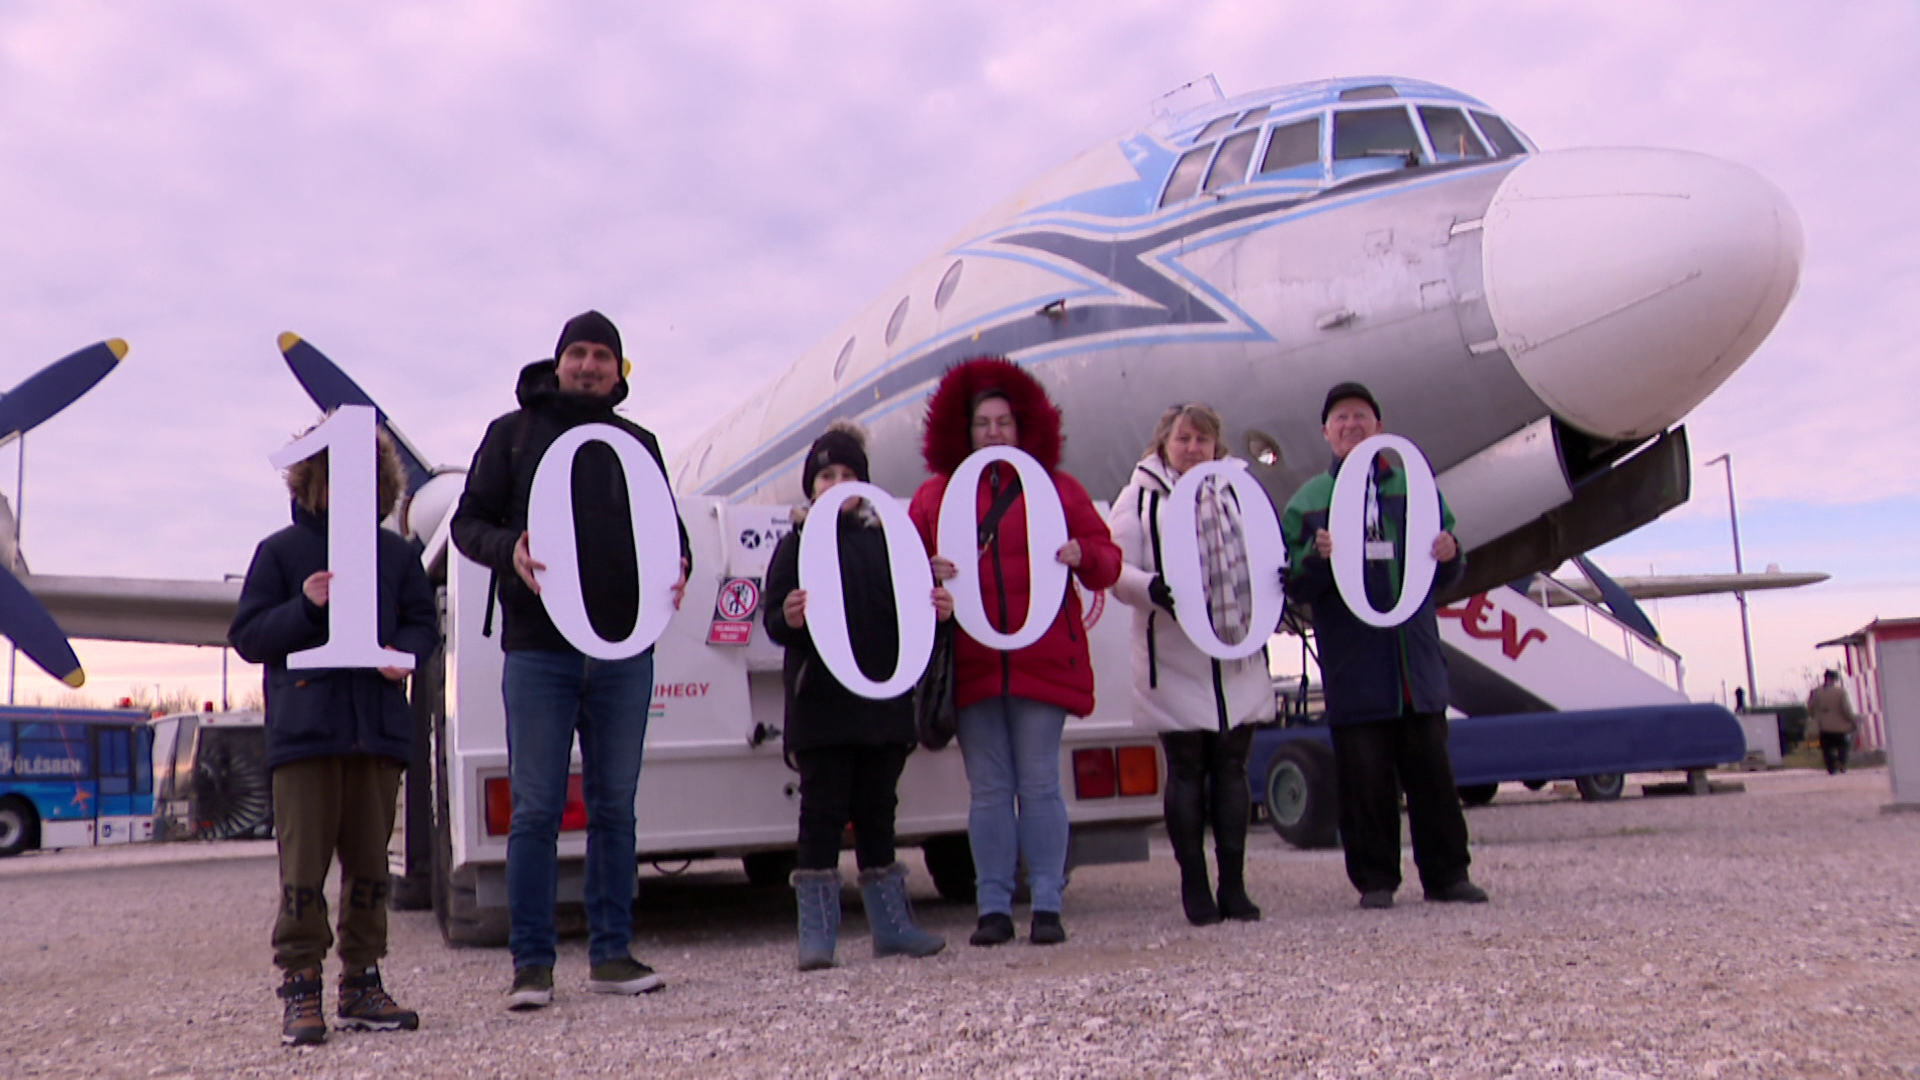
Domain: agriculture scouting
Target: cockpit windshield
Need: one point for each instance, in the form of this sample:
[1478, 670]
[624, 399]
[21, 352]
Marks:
[1452, 138]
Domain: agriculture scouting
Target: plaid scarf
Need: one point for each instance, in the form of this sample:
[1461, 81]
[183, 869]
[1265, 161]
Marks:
[1223, 555]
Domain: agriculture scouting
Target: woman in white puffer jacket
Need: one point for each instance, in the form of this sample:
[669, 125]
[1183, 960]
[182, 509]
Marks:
[1200, 706]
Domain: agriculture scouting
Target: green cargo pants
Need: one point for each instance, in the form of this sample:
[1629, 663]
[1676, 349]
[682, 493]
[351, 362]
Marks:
[342, 804]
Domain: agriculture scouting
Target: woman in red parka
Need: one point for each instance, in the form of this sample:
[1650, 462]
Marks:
[1013, 706]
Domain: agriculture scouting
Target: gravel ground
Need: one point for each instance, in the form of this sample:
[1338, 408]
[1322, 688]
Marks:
[1774, 932]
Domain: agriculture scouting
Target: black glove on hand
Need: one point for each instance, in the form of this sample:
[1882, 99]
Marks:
[1158, 592]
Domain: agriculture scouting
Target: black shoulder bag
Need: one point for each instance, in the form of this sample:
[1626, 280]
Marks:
[934, 716]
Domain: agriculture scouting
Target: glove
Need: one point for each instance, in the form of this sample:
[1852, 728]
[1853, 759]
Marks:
[1158, 592]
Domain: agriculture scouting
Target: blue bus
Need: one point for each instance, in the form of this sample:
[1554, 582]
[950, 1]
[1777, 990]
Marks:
[74, 778]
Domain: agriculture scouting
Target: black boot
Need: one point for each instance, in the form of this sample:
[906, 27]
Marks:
[1232, 806]
[1185, 806]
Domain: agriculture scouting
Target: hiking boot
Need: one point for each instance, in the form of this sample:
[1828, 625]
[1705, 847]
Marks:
[304, 1023]
[1460, 892]
[1047, 929]
[532, 988]
[994, 928]
[623, 975]
[1377, 899]
[364, 1004]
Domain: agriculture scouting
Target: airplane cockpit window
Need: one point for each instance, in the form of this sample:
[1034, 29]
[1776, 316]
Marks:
[1505, 142]
[1231, 166]
[1214, 127]
[949, 281]
[1368, 93]
[1452, 137]
[1364, 140]
[1186, 175]
[1294, 150]
[846, 352]
[1252, 116]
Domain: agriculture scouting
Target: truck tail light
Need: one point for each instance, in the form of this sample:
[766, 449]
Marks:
[1094, 775]
[1139, 770]
[499, 806]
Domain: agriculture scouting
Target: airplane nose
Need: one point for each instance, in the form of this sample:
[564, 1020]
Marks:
[1627, 285]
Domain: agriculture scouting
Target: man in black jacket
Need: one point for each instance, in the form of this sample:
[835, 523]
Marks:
[337, 742]
[553, 689]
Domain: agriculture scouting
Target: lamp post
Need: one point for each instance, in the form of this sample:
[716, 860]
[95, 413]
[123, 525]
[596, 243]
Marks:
[1746, 632]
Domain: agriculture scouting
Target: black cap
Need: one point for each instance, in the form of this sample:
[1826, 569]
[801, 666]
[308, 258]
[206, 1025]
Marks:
[1349, 390]
[593, 327]
[839, 446]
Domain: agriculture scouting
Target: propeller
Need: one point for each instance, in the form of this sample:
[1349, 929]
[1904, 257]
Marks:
[1623, 606]
[330, 388]
[23, 619]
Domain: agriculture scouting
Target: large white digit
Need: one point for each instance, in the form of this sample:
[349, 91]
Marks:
[826, 603]
[656, 541]
[1180, 559]
[353, 550]
[958, 540]
[1347, 522]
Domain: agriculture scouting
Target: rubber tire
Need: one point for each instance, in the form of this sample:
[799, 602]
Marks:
[462, 921]
[1601, 787]
[949, 862]
[1534, 785]
[1478, 794]
[769, 869]
[19, 827]
[1303, 796]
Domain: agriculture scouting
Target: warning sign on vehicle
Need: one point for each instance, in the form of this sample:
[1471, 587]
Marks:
[733, 611]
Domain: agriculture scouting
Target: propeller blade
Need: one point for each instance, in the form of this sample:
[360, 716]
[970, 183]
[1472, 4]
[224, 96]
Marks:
[1623, 606]
[25, 622]
[56, 386]
[330, 388]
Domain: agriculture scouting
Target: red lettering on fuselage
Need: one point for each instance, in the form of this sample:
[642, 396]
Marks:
[681, 690]
[1473, 615]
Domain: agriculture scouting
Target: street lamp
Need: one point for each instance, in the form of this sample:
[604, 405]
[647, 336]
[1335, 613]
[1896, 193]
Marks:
[1746, 632]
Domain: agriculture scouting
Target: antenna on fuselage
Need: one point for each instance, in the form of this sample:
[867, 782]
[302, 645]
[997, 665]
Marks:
[1204, 90]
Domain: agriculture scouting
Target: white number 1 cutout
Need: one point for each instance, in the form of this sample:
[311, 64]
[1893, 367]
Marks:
[353, 597]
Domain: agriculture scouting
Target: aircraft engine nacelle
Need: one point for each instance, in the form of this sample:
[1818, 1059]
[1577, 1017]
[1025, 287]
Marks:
[1508, 484]
[428, 507]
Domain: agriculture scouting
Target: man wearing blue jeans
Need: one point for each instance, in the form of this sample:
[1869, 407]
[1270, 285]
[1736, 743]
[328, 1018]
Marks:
[552, 689]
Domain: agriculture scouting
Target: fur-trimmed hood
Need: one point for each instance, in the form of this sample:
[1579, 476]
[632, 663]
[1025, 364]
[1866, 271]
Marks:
[949, 432]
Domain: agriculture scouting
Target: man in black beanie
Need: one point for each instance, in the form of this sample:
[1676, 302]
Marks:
[551, 688]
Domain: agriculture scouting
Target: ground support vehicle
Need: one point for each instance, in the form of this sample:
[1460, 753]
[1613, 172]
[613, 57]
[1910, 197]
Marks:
[73, 778]
[715, 783]
[211, 780]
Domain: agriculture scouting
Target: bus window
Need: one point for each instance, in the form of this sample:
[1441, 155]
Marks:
[1452, 137]
[1293, 151]
[1186, 175]
[1366, 140]
[1505, 142]
[1231, 166]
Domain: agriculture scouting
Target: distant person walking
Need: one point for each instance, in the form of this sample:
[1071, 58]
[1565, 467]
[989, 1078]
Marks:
[337, 742]
[1200, 706]
[552, 689]
[1013, 707]
[1386, 689]
[850, 750]
[1834, 718]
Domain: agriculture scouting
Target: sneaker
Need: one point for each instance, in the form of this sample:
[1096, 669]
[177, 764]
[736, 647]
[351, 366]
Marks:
[1377, 899]
[994, 929]
[624, 975]
[1460, 892]
[1047, 929]
[304, 1022]
[532, 988]
[364, 1004]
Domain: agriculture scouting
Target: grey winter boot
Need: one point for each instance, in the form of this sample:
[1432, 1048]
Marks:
[818, 893]
[884, 891]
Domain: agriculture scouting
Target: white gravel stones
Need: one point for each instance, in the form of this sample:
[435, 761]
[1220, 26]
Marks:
[1770, 933]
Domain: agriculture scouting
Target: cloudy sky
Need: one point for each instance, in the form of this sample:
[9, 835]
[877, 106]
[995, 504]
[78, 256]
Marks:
[426, 190]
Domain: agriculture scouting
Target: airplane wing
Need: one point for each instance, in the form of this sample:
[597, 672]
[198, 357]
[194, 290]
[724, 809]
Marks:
[1667, 586]
[161, 611]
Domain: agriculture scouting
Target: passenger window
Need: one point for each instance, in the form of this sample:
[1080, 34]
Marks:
[1294, 148]
[1505, 142]
[1214, 127]
[1376, 134]
[1231, 166]
[1452, 137]
[894, 324]
[948, 282]
[846, 355]
[1186, 175]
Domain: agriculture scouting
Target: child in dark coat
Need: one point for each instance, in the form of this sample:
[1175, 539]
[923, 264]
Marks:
[337, 742]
